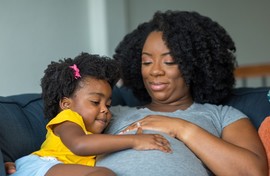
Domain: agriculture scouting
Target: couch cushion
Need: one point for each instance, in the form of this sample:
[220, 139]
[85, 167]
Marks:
[22, 125]
[124, 96]
[251, 101]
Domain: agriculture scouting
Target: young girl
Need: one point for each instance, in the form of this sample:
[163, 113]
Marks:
[77, 97]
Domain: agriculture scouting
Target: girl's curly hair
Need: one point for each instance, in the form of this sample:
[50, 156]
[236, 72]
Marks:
[202, 48]
[59, 80]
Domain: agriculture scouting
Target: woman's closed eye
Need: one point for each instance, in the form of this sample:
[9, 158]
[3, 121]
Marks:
[146, 63]
[170, 63]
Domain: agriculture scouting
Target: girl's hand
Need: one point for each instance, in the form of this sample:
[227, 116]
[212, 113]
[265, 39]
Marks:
[10, 167]
[159, 123]
[150, 141]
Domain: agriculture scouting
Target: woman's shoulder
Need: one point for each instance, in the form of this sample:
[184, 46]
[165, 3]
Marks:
[223, 113]
[216, 107]
[207, 107]
[219, 110]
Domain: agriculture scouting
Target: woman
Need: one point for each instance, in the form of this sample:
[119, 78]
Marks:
[179, 65]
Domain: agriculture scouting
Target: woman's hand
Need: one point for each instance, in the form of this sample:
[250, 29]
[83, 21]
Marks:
[160, 123]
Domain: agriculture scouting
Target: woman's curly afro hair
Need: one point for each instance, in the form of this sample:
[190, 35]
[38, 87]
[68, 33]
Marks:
[59, 80]
[201, 47]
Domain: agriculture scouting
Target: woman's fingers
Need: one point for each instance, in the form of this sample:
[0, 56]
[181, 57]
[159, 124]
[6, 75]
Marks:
[139, 130]
[134, 126]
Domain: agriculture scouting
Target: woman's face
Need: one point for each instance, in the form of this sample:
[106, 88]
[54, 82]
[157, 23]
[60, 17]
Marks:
[161, 75]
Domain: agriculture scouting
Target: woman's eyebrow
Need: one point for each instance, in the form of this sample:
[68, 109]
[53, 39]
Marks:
[146, 53]
[167, 53]
[163, 54]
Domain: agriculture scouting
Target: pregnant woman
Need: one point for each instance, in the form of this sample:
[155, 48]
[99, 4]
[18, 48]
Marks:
[180, 66]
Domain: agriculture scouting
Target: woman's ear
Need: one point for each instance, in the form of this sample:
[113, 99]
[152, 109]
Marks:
[65, 103]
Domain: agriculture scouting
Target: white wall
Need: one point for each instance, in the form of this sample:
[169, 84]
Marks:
[117, 19]
[35, 32]
[98, 27]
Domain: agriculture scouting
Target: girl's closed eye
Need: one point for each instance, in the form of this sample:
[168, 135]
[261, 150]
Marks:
[108, 106]
[96, 103]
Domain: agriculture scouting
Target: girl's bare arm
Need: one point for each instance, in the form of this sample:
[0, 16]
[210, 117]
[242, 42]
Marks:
[79, 143]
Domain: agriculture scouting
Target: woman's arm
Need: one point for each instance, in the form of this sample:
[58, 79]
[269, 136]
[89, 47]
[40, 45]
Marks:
[79, 143]
[238, 152]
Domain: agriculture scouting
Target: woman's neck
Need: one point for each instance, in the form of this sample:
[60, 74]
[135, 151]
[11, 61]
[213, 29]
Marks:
[169, 107]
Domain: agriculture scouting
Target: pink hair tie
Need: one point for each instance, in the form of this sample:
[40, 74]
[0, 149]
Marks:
[76, 71]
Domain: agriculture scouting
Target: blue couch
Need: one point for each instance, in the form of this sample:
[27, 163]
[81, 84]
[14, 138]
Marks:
[22, 125]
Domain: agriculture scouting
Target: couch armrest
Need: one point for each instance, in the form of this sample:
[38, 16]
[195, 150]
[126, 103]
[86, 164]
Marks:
[21, 122]
[2, 167]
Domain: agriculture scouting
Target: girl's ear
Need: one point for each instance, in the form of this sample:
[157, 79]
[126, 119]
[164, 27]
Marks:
[65, 103]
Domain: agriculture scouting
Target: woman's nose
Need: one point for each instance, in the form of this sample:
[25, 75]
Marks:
[157, 70]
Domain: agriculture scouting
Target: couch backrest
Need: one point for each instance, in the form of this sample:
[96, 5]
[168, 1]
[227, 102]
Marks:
[22, 124]
[254, 102]
[251, 101]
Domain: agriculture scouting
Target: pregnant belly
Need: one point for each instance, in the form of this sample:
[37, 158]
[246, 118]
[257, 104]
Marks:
[153, 162]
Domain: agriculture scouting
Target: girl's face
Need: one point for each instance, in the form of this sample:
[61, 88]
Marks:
[92, 101]
[161, 75]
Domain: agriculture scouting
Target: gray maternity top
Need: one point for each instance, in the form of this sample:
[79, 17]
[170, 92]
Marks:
[156, 163]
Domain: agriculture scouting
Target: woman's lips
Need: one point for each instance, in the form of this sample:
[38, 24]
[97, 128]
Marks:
[157, 86]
